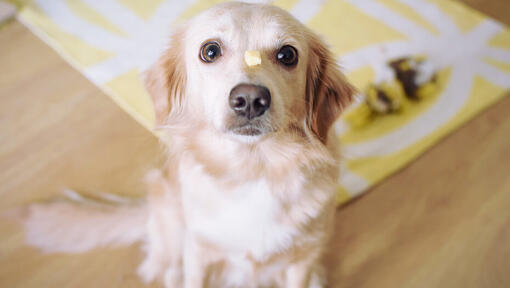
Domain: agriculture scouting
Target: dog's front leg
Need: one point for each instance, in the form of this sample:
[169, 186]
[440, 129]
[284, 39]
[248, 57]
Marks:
[165, 229]
[195, 264]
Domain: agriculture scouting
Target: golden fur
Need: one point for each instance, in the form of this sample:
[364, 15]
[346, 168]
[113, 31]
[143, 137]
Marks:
[228, 210]
[294, 151]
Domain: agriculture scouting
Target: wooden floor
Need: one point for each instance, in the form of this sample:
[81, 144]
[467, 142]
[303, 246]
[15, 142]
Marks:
[444, 221]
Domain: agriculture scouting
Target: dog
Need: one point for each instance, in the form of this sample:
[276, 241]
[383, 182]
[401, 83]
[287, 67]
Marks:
[245, 97]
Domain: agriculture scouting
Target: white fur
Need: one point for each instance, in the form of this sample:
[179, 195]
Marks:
[244, 219]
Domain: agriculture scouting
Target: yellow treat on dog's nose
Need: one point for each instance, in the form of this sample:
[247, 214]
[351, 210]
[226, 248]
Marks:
[252, 58]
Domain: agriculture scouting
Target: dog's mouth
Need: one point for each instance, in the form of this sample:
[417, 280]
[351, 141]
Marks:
[248, 130]
[255, 128]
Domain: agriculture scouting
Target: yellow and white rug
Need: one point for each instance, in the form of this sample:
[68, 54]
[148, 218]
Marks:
[112, 41]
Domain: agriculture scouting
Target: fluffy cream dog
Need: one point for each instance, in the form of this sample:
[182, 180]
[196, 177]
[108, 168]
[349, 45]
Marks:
[247, 95]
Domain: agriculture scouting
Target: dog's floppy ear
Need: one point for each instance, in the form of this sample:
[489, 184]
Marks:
[327, 91]
[166, 79]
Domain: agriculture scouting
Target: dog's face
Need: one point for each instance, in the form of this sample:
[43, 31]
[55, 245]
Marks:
[204, 74]
[236, 98]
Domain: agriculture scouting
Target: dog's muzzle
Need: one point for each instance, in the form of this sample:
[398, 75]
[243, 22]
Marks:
[249, 103]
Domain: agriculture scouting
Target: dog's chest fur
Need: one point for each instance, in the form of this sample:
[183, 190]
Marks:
[247, 219]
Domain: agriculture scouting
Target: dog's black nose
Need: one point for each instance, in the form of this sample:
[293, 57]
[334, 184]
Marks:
[249, 100]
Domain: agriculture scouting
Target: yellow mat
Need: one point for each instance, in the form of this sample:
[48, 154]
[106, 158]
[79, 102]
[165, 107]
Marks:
[111, 41]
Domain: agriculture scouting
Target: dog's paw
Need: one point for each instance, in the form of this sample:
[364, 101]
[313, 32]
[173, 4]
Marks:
[173, 278]
[149, 270]
[152, 269]
[318, 278]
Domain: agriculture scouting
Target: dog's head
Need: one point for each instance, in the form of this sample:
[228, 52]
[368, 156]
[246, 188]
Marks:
[248, 71]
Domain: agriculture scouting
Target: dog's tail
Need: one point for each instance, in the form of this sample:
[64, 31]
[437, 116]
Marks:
[76, 223]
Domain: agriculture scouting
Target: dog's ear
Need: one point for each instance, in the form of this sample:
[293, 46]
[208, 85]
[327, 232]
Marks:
[166, 79]
[327, 91]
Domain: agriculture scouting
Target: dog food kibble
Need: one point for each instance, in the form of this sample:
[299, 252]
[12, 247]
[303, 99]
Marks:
[252, 58]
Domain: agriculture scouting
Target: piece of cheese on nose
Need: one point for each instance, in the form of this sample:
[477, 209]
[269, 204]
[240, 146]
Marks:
[252, 58]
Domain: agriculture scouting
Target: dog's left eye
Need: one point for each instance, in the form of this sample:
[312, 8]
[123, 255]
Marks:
[210, 51]
[287, 55]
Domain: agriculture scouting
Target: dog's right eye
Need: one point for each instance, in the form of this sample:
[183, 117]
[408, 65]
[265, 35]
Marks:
[210, 51]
